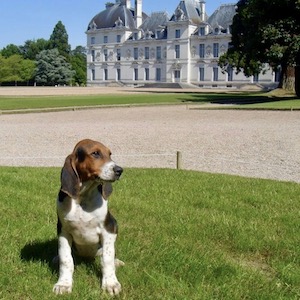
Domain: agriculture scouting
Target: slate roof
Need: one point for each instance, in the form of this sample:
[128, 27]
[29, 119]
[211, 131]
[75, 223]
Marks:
[108, 17]
[190, 9]
[222, 16]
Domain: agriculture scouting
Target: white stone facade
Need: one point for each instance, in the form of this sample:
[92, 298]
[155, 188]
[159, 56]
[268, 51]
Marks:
[184, 48]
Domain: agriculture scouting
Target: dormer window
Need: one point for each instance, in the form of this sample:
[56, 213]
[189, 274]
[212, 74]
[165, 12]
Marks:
[177, 34]
[148, 34]
[135, 36]
[119, 22]
[93, 25]
[202, 31]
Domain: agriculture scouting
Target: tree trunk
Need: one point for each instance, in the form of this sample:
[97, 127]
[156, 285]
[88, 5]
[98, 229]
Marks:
[288, 78]
[297, 76]
[297, 81]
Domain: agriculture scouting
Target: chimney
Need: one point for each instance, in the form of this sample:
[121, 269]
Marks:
[127, 3]
[203, 13]
[138, 13]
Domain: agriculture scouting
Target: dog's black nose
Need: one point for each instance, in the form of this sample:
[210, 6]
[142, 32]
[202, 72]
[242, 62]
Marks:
[118, 171]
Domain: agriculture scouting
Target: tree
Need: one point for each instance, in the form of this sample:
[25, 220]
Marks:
[33, 47]
[16, 69]
[78, 62]
[10, 50]
[52, 68]
[3, 69]
[265, 32]
[59, 40]
[27, 70]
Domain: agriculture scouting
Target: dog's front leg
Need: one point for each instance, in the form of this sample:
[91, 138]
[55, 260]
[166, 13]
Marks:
[66, 265]
[110, 282]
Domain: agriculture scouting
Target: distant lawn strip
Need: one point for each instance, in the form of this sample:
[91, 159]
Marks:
[36, 102]
[182, 235]
[231, 100]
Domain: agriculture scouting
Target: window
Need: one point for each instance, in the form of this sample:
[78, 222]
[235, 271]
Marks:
[118, 54]
[158, 74]
[255, 77]
[105, 74]
[201, 74]
[177, 75]
[135, 53]
[93, 55]
[216, 49]
[201, 50]
[118, 74]
[158, 53]
[105, 54]
[147, 77]
[135, 36]
[177, 51]
[118, 38]
[136, 74]
[93, 40]
[202, 31]
[215, 74]
[147, 53]
[93, 74]
[230, 73]
[105, 39]
[177, 33]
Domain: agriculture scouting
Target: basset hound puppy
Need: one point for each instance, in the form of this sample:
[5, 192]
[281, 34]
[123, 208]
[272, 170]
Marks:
[85, 224]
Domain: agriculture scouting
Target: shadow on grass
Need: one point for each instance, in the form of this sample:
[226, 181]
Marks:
[235, 99]
[46, 251]
[41, 251]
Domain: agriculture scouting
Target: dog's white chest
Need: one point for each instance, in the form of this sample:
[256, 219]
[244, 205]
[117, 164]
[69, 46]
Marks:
[85, 221]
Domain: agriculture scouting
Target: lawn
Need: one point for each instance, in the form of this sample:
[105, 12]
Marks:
[182, 235]
[237, 100]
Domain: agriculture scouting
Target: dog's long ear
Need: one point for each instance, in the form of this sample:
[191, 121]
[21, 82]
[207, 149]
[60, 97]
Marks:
[105, 189]
[70, 183]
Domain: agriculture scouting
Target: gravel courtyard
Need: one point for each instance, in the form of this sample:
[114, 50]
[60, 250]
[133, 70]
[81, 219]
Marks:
[264, 144]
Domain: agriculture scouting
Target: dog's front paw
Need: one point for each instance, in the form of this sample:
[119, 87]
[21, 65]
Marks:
[111, 285]
[60, 289]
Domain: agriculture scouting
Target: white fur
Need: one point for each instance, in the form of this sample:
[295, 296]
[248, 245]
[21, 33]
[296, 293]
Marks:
[107, 172]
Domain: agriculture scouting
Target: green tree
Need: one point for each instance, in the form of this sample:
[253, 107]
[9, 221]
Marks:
[16, 69]
[10, 50]
[78, 62]
[3, 69]
[59, 40]
[32, 48]
[27, 70]
[263, 32]
[52, 68]
[13, 64]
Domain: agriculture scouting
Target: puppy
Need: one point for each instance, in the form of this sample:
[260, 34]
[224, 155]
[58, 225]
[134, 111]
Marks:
[85, 224]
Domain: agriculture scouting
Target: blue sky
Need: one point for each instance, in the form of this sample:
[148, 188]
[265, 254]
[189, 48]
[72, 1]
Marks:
[23, 20]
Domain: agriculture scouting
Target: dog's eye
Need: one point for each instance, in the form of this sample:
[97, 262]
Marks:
[96, 154]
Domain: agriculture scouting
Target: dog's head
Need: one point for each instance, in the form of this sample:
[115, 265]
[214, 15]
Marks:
[90, 160]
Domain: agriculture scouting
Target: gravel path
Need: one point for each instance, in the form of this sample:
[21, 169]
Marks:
[263, 144]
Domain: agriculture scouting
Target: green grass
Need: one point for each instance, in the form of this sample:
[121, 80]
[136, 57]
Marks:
[239, 100]
[88, 100]
[182, 234]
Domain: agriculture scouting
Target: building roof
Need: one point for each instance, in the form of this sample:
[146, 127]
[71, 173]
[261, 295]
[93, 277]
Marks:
[188, 10]
[222, 16]
[113, 16]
